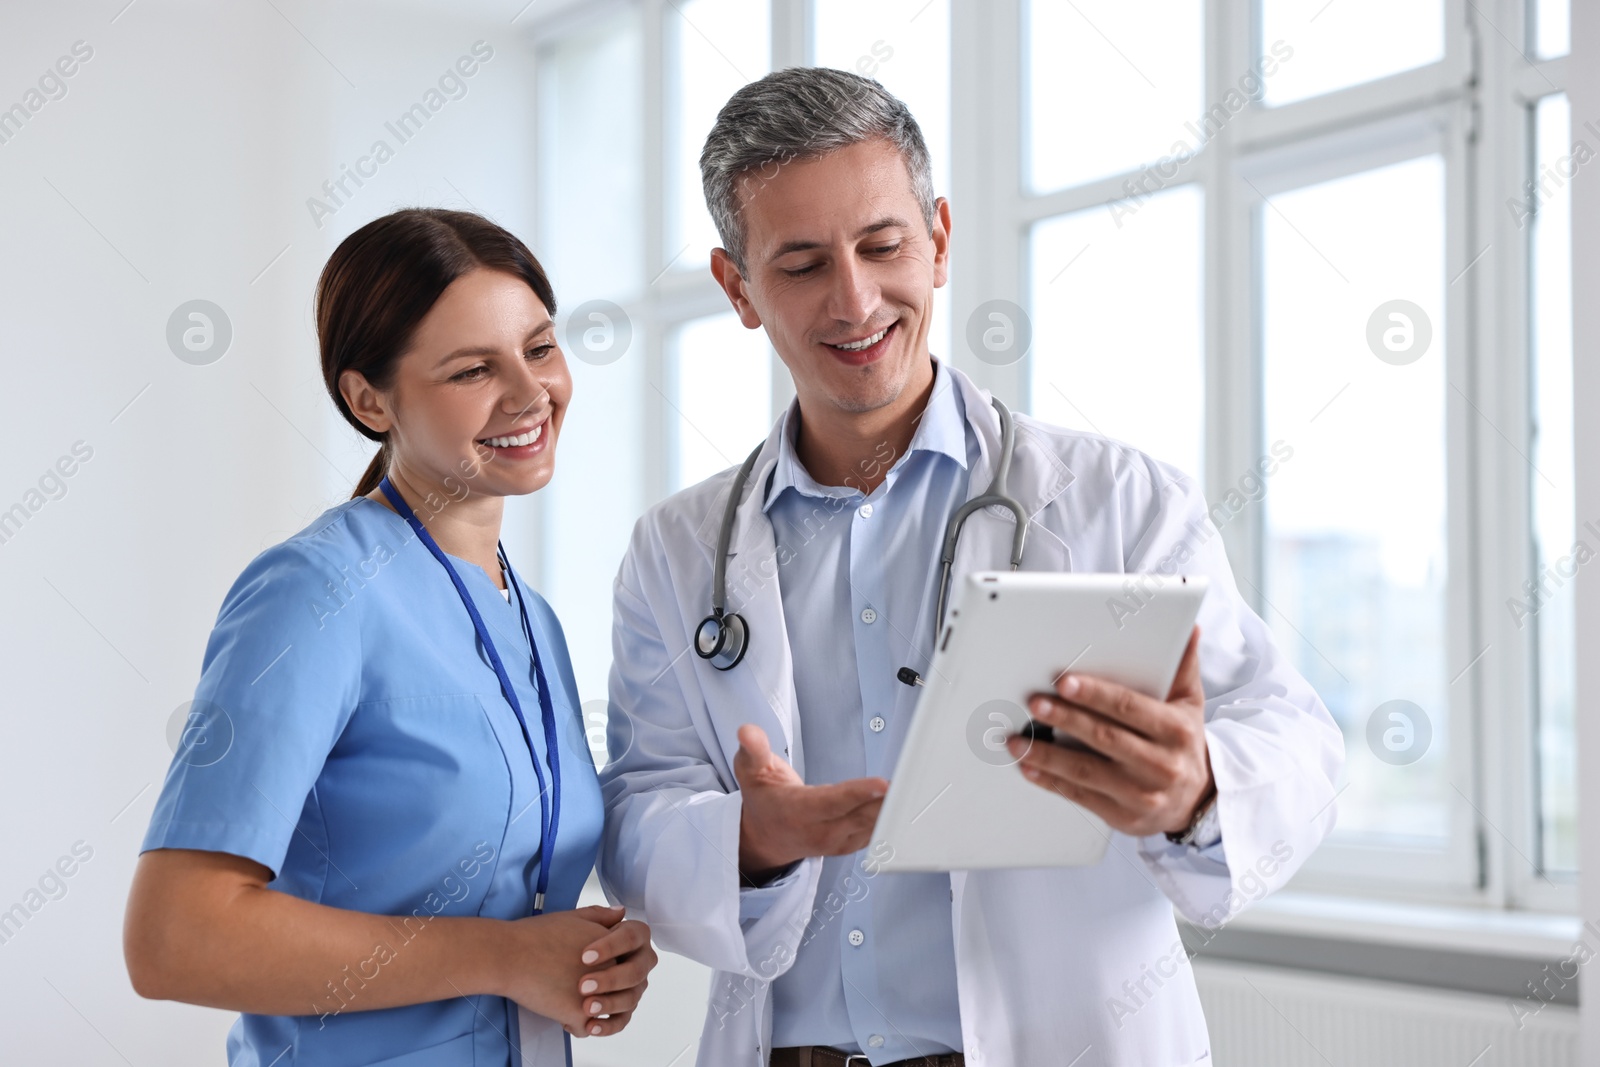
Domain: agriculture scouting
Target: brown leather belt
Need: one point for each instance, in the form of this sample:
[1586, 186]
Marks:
[821, 1056]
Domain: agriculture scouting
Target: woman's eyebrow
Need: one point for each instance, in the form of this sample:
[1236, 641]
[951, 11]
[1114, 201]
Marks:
[472, 351]
[476, 351]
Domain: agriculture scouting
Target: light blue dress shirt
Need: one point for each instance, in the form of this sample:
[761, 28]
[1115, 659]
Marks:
[876, 970]
[350, 735]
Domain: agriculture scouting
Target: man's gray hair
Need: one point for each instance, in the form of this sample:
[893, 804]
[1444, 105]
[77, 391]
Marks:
[798, 114]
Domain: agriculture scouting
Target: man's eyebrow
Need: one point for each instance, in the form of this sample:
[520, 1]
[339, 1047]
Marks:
[888, 222]
[476, 351]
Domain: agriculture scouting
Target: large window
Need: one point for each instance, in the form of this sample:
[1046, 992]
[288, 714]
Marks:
[1113, 281]
[721, 375]
[1351, 42]
[1232, 232]
[1082, 55]
[1355, 565]
[712, 47]
[590, 238]
[1117, 324]
[904, 45]
[1550, 27]
[1339, 176]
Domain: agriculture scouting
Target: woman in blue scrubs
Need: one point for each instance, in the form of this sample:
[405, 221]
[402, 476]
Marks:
[374, 831]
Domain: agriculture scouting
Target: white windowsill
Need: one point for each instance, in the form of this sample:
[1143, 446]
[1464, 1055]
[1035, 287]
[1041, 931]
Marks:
[1510, 933]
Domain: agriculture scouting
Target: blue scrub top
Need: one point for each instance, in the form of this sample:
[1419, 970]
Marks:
[349, 734]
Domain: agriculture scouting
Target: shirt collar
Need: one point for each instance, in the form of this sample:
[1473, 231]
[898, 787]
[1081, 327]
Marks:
[941, 430]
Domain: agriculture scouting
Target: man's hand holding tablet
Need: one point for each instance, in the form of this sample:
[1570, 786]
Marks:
[1149, 771]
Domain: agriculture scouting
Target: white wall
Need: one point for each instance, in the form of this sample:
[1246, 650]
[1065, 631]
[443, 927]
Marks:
[177, 167]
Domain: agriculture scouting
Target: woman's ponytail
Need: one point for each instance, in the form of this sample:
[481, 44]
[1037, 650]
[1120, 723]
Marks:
[375, 472]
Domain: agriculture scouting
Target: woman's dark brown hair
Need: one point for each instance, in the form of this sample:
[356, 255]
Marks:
[382, 280]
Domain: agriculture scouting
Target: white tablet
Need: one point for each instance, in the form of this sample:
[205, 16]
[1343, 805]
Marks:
[957, 800]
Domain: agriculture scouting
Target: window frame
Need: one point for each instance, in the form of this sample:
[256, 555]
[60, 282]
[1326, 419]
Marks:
[1475, 105]
[1478, 98]
[1317, 157]
[670, 297]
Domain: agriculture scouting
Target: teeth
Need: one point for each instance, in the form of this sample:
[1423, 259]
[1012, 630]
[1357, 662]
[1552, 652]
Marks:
[856, 346]
[518, 441]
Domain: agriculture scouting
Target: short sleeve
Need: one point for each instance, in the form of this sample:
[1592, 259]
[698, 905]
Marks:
[280, 679]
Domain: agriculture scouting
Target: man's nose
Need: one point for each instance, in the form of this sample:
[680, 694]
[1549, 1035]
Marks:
[855, 295]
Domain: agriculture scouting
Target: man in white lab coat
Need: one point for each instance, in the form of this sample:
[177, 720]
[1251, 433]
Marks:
[739, 802]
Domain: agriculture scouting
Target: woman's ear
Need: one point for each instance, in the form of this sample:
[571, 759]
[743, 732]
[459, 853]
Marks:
[365, 402]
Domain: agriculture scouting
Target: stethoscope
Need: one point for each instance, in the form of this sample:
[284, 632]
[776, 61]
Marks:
[724, 636]
[549, 799]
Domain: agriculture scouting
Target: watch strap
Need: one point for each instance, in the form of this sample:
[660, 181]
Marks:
[1204, 830]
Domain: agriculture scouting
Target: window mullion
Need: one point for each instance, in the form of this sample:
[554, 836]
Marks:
[1476, 796]
[793, 44]
[793, 25]
[1233, 413]
[987, 68]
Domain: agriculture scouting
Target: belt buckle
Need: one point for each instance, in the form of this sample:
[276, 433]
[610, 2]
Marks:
[852, 1058]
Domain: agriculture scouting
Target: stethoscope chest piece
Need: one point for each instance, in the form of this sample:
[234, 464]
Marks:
[722, 639]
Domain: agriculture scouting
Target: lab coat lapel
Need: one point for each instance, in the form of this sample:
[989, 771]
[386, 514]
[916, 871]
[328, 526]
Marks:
[765, 678]
[1037, 477]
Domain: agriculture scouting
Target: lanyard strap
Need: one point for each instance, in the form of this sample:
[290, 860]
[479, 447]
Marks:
[547, 716]
[549, 797]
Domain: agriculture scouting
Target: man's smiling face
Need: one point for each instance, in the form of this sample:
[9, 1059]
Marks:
[840, 268]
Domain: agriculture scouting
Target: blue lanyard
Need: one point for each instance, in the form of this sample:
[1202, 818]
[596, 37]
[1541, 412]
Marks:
[549, 798]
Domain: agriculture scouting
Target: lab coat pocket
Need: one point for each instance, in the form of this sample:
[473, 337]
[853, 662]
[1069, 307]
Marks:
[1044, 551]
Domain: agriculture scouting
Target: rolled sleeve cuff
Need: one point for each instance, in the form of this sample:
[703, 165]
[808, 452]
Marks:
[754, 901]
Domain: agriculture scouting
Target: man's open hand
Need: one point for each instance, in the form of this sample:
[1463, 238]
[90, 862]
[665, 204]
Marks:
[785, 820]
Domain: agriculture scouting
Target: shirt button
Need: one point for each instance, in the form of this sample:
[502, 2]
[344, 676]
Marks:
[869, 616]
[857, 938]
[865, 510]
[876, 724]
[875, 1041]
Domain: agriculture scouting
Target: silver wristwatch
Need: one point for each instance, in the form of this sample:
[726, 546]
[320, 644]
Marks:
[1204, 831]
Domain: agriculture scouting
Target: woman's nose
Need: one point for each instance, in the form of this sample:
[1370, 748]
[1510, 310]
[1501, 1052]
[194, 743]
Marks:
[528, 392]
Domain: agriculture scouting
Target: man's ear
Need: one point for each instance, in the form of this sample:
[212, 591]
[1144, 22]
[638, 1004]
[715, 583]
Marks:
[733, 283]
[941, 242]
[365, 402]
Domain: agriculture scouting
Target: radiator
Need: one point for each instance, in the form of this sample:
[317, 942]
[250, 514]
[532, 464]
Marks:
[1270, 1017]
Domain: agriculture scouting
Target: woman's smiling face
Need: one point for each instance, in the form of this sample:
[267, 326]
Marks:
[480, 395]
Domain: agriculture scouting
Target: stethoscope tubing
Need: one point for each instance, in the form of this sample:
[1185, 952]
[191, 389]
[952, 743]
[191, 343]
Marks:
[727, 647]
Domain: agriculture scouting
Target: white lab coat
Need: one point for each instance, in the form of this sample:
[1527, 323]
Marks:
[1042, 955]
[540, 1039]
